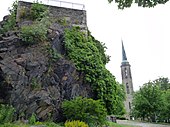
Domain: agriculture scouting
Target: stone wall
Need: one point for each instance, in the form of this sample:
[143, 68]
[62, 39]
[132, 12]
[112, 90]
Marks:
[74, 17]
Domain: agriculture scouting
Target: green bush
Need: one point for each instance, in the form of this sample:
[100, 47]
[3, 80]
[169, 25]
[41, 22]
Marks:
[35, 33]
[87, 110]
[6, 113]
[38, 11]
[11, 22]
[32, 119]
[75, 123]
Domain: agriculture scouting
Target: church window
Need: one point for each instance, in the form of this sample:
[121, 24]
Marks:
[129, 105]
[127, 88]
[126, 74]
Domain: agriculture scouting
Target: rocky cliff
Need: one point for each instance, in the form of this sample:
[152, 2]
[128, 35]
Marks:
[34, 83]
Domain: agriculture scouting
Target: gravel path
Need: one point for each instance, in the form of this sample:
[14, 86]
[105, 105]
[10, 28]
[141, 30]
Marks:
[140, 124]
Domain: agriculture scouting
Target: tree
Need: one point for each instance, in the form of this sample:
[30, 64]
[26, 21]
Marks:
[165, 111]
[147, 102]
[143, 3]
[163, 83]
[120, 108]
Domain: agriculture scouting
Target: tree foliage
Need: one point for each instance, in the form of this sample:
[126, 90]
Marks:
[90, 111]
[142, 3]
[88, 58]
[10, 23]
[152, 101]
[163, 83]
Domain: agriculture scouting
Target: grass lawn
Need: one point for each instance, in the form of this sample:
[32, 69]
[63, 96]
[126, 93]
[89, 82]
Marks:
[111, 124]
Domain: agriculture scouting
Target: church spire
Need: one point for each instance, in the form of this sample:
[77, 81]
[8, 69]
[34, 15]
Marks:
[124, 58]
[127, 82]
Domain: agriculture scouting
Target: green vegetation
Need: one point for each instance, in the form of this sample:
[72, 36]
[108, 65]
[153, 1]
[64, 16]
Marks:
[87, 110]
[89, 57]
[53, 54]
[37, 31]
[75, 123]
[92, 63]
[20, 124]
[38, 11]
[152, 101]
[34, 33]
[52, 124]
[111, 124]
[32, 119]
[6, 113]
[11, 20]
[141, 3]
[14, 125]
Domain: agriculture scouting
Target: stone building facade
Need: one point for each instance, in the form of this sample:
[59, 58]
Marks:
[127, 82]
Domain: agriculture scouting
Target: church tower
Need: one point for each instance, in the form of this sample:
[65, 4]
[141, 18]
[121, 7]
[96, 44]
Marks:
[127, 82]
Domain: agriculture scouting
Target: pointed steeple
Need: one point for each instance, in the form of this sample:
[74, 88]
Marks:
[124, 58]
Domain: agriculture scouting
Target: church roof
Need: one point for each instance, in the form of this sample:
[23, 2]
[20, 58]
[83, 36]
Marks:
[124, 58]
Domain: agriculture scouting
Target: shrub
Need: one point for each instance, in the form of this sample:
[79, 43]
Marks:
[84, 109]
[6, 113]
[75, 123]
[38, 11]
[32, 119]
[11, 21]
[38, 123]
[35, 33]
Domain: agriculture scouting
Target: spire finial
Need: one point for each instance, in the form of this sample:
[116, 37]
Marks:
[124, 58]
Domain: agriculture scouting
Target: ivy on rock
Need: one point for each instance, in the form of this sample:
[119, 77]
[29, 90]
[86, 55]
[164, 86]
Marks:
[85, 53]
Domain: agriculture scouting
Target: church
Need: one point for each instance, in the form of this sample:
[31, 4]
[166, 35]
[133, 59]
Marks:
[127, 82]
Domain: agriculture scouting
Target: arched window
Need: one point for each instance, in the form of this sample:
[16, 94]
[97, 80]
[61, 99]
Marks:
[127, 88]
[129, 105]
[126, 73]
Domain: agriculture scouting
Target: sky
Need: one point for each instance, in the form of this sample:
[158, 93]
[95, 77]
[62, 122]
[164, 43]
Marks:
[145, 33]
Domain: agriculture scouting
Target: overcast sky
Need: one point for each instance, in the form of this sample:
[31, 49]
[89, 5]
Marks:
[144, 31]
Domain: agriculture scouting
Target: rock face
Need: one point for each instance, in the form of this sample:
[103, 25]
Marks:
[32, 83]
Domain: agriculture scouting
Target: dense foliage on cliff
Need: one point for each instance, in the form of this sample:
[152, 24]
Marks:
[84, 52]
[152, 101]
